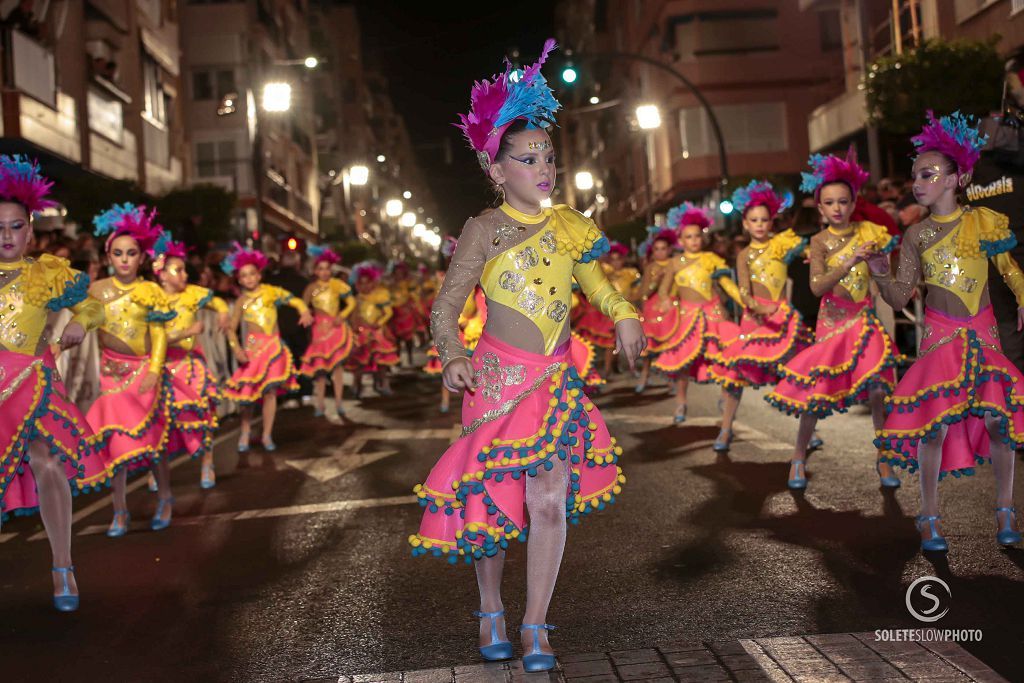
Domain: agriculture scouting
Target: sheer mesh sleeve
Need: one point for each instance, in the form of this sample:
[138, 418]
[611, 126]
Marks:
[823, 280]
[898, 289]
[1012, 275]
[463, 274]
[743, 279]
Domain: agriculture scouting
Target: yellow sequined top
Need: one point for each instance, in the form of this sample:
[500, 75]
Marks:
[697, 272]
[186, 305]
[135, 315]
[326, 297]
[950, 254]
[533, 277]
[623, 280]
[374, 308]
[30, 290]
[831, 250]
[767, 263]
[259, 306]
[402, 291]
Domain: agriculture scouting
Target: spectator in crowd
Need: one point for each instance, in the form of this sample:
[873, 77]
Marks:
[288, 275]
[805, 222]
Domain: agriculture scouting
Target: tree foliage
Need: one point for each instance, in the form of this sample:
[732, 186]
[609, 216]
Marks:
[943, 76]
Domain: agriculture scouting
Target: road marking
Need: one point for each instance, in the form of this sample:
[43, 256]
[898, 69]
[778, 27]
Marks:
[6, 537]
[135, 485]
[342, 461]
[266, 513]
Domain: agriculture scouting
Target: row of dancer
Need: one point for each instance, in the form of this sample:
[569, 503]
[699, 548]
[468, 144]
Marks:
[158, 399]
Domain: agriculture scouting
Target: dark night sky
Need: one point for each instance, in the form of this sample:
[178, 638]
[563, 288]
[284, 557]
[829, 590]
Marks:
[431, 53]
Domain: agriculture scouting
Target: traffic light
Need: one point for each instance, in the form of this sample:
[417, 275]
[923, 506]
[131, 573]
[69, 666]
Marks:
[726, 207]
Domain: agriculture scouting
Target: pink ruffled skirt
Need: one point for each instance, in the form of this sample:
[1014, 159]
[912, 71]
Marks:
[330, 346]
[753, 357]
[194, 398]
[595, 326]
[405, 321]
[131, 427]
[961, 377]
[528, 412]
[852, 353]
[659, 327]
[696, 345]
[270, 368]
[33, 407]
[373, 348]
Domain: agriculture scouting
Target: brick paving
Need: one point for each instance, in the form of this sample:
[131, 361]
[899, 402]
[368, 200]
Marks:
[847, 657]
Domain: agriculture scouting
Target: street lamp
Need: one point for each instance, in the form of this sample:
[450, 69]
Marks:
[277, 96]
[381, 158]
[584, 180]
[358, 175]
[407, 220]
[311, 62]
[407, 194]
[393, 208]
[726, 207]
[648, 117]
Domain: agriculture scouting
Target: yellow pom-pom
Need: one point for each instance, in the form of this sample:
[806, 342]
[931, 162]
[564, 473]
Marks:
[415, 542]
[427, 545]
[616, 490]
[607, 497]
[517, 444]
[479, 476]
[417, 488]
[553, 402]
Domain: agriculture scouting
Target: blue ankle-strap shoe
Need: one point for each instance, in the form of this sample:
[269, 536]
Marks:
[890, 482]
[535, 660]
[799, 480]
[119, 527]
[1006, 535]
[158, 523]
[65, 601]
[723, 442]
[498, 649]
[936, 543]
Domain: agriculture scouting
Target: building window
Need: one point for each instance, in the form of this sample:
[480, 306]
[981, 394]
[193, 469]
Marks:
[210, 84]
[831, 30]
[725, 32]
[215, 159]
[747, 129]
[106, 115]
[154, 98]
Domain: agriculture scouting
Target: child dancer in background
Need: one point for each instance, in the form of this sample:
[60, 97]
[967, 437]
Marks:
[961, 401]
[332, 337]
[660, 324]
[405, 322]
[703, 328]
[265, 364]
[132, 415]
[374, 350]
[44, 438]
[853, 359]
[770, 332]
[195, 393]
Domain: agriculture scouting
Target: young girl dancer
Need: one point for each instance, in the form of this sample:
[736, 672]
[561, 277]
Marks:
[195, 393]
[332, 337]
[132, 415]
[374, 349]
[853, 360]
[405, 323]
[530, 435]
[703, 328]
[659, 325]
[771, 331]
[960, 402]
[625, 279]
[264, 363]
[39, 427]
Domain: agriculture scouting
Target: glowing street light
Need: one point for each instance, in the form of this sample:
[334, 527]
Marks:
[569, 74]
[407, 220]
[381, 158]
[277, 97]
[726, 207]
[393, 208]
[358, 174]
[407, 194]
[584, 180]
[311, 62]
[595, 99]
[648, 117]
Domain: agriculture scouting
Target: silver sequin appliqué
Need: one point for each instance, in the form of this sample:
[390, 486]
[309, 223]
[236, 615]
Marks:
[493, 377]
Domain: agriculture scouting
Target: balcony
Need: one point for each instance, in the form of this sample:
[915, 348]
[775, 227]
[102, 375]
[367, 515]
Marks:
[837, 119]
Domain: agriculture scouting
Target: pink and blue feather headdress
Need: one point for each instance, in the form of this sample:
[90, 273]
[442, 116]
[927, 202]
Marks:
[760, 193]
[240, 256]
[689, 214]
[618, 248]
[367, 269]
[955, 136]
[136, 222]
[495, 104]
[321, 253]
[166, 248]
[826, 170]
[22, 183]
[448, 246]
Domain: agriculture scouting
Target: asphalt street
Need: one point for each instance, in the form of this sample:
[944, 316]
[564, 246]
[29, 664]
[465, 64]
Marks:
[296, 565]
